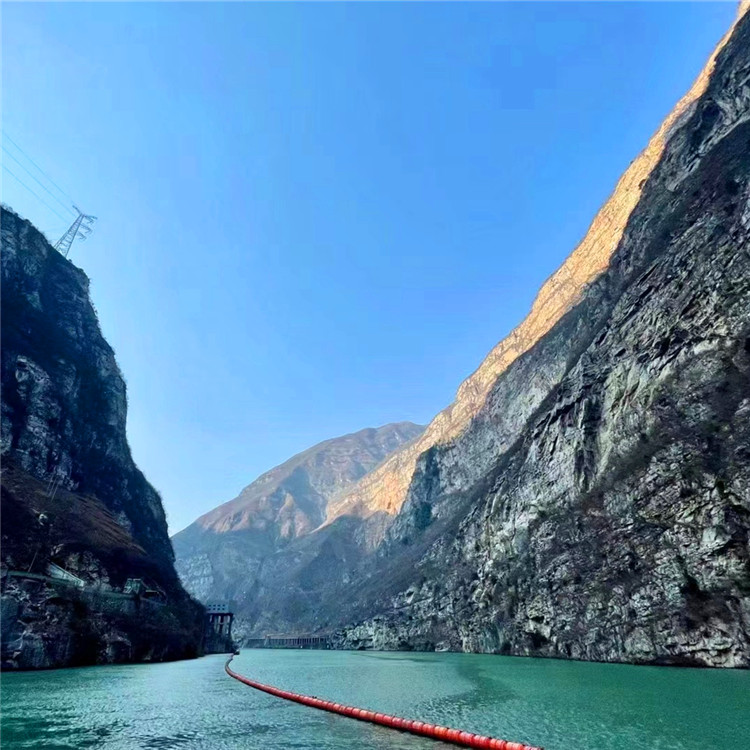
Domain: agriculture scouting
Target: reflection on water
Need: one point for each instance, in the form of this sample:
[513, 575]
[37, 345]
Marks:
[557, 704]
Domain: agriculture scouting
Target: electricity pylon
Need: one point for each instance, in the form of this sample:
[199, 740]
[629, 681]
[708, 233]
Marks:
[79, 229]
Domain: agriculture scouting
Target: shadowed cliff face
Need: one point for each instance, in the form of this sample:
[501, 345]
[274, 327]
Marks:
[598, 504]
[222, 555]
[64, 404]
[65, 455]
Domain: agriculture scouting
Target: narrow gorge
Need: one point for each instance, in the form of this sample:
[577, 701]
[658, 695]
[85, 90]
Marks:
[587, 494]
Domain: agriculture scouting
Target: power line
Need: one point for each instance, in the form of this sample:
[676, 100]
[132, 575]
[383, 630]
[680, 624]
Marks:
[39, 182]
[18, 179]
[82, 224]
[37, 166]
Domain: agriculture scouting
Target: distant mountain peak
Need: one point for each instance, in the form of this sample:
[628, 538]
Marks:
[282, 504]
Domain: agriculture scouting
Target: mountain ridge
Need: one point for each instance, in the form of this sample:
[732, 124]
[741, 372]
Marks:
[386, 488]
[269, 477]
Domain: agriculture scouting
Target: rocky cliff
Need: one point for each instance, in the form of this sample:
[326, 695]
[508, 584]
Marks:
[227, 553]
[386, 489]
[71, 493]
[588, 495]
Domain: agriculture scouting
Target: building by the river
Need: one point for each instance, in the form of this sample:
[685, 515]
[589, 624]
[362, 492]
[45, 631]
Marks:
[218, 628]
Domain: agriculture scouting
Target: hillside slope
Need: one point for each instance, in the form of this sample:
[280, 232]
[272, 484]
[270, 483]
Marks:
[221, 555]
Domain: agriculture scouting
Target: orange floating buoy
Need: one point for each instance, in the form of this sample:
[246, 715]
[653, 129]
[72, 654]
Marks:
[456, 736]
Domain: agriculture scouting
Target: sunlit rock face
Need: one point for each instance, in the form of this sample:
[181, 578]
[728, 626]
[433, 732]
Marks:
[586, 495]
[592, 498]
[386, 489]
[224, 554]
[71, 493]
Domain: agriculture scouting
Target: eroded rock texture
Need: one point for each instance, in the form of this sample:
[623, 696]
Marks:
[597, 506]
[71, 493]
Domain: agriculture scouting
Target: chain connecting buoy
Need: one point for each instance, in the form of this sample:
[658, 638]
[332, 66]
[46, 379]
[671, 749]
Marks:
[446, 734]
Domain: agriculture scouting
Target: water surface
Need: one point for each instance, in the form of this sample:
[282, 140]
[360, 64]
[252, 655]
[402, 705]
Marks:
[194, 704]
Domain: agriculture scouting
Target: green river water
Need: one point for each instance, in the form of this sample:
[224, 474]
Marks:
[194, 704]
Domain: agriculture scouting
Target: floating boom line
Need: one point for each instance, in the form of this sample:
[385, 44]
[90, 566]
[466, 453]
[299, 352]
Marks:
[446, 734]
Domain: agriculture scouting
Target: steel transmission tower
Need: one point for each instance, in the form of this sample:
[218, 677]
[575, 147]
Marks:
[79, 229]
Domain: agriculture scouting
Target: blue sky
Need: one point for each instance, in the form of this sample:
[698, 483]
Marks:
[317, 218]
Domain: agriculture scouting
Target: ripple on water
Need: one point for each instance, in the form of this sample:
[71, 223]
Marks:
[193, 704]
